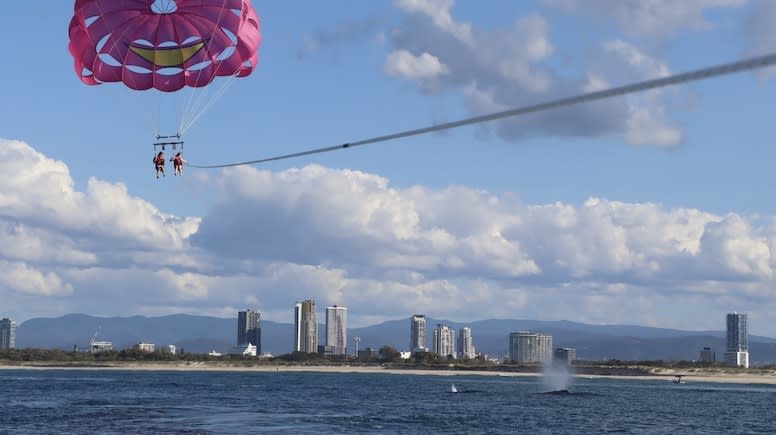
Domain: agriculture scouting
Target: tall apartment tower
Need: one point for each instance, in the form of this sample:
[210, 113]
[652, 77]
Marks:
[564, 355]
[249, 329]
[530, 347]
[737, 351]
[306, 323]
[7, 334]
[465, 343]
[707, 355]
[444, 341]
[336, 329]
[418, 333]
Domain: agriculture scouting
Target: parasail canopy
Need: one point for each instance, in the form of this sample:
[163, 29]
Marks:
[163, 44]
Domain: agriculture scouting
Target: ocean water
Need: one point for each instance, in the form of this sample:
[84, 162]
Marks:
[97, 401]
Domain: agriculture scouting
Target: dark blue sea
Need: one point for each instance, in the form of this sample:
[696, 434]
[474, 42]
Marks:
[150, 402]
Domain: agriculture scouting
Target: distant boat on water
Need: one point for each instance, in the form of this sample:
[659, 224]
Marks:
[678, 380]
[453, 389]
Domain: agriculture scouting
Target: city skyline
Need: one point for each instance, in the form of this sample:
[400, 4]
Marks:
[669, 347]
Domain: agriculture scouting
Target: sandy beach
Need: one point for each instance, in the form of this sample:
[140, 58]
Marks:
[666, 375]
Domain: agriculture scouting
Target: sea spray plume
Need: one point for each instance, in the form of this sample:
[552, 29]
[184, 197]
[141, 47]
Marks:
[556, 377]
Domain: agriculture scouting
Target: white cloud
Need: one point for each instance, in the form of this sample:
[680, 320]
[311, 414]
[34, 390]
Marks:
[40, 191]
[22, 242]
[402, 63]
[357, 223]
[648, 126]
[732, 247]
[20, 277]
[49, 231]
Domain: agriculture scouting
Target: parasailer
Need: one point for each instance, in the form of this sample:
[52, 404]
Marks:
[165, 45]
[177, 163]
[159, 164]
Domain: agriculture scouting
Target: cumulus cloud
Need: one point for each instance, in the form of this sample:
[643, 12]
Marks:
[19, 241]
[39, 190]
[357, 222]
[350, 238]
[649, 18]
[501, 68]
[20, 277]
[49, 229]
[402, 63]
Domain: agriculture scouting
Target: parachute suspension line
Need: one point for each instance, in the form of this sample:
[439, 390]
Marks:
[155, 117]
[189, 109]
[686, 77]
[194, 110]
[207, 105]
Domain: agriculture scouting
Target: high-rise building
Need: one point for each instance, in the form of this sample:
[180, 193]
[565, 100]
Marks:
[737, 351]
[418, 333]
[336, 329]
[249, 329]
[465, 343]
[564, 355]
[444, 341]
[7, 334]
[306, 323]
[530, 347]
[707, 355]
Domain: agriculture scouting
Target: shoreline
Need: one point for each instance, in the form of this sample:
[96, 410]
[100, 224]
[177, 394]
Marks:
[665, 375]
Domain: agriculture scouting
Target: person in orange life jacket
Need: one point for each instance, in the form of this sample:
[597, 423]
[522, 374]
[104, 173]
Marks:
[159, 163]
[177, 161]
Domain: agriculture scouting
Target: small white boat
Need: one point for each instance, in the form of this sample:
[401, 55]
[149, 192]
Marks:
[678, 380]
[453, 389]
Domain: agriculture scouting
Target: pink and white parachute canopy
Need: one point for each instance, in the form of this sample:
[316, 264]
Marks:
[163, 44]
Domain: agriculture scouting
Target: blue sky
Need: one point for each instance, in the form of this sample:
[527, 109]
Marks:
[653, 209]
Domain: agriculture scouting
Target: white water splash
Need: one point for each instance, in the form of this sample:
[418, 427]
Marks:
[556, 377]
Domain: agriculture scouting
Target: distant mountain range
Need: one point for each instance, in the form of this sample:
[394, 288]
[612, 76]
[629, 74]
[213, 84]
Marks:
[201, 334]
